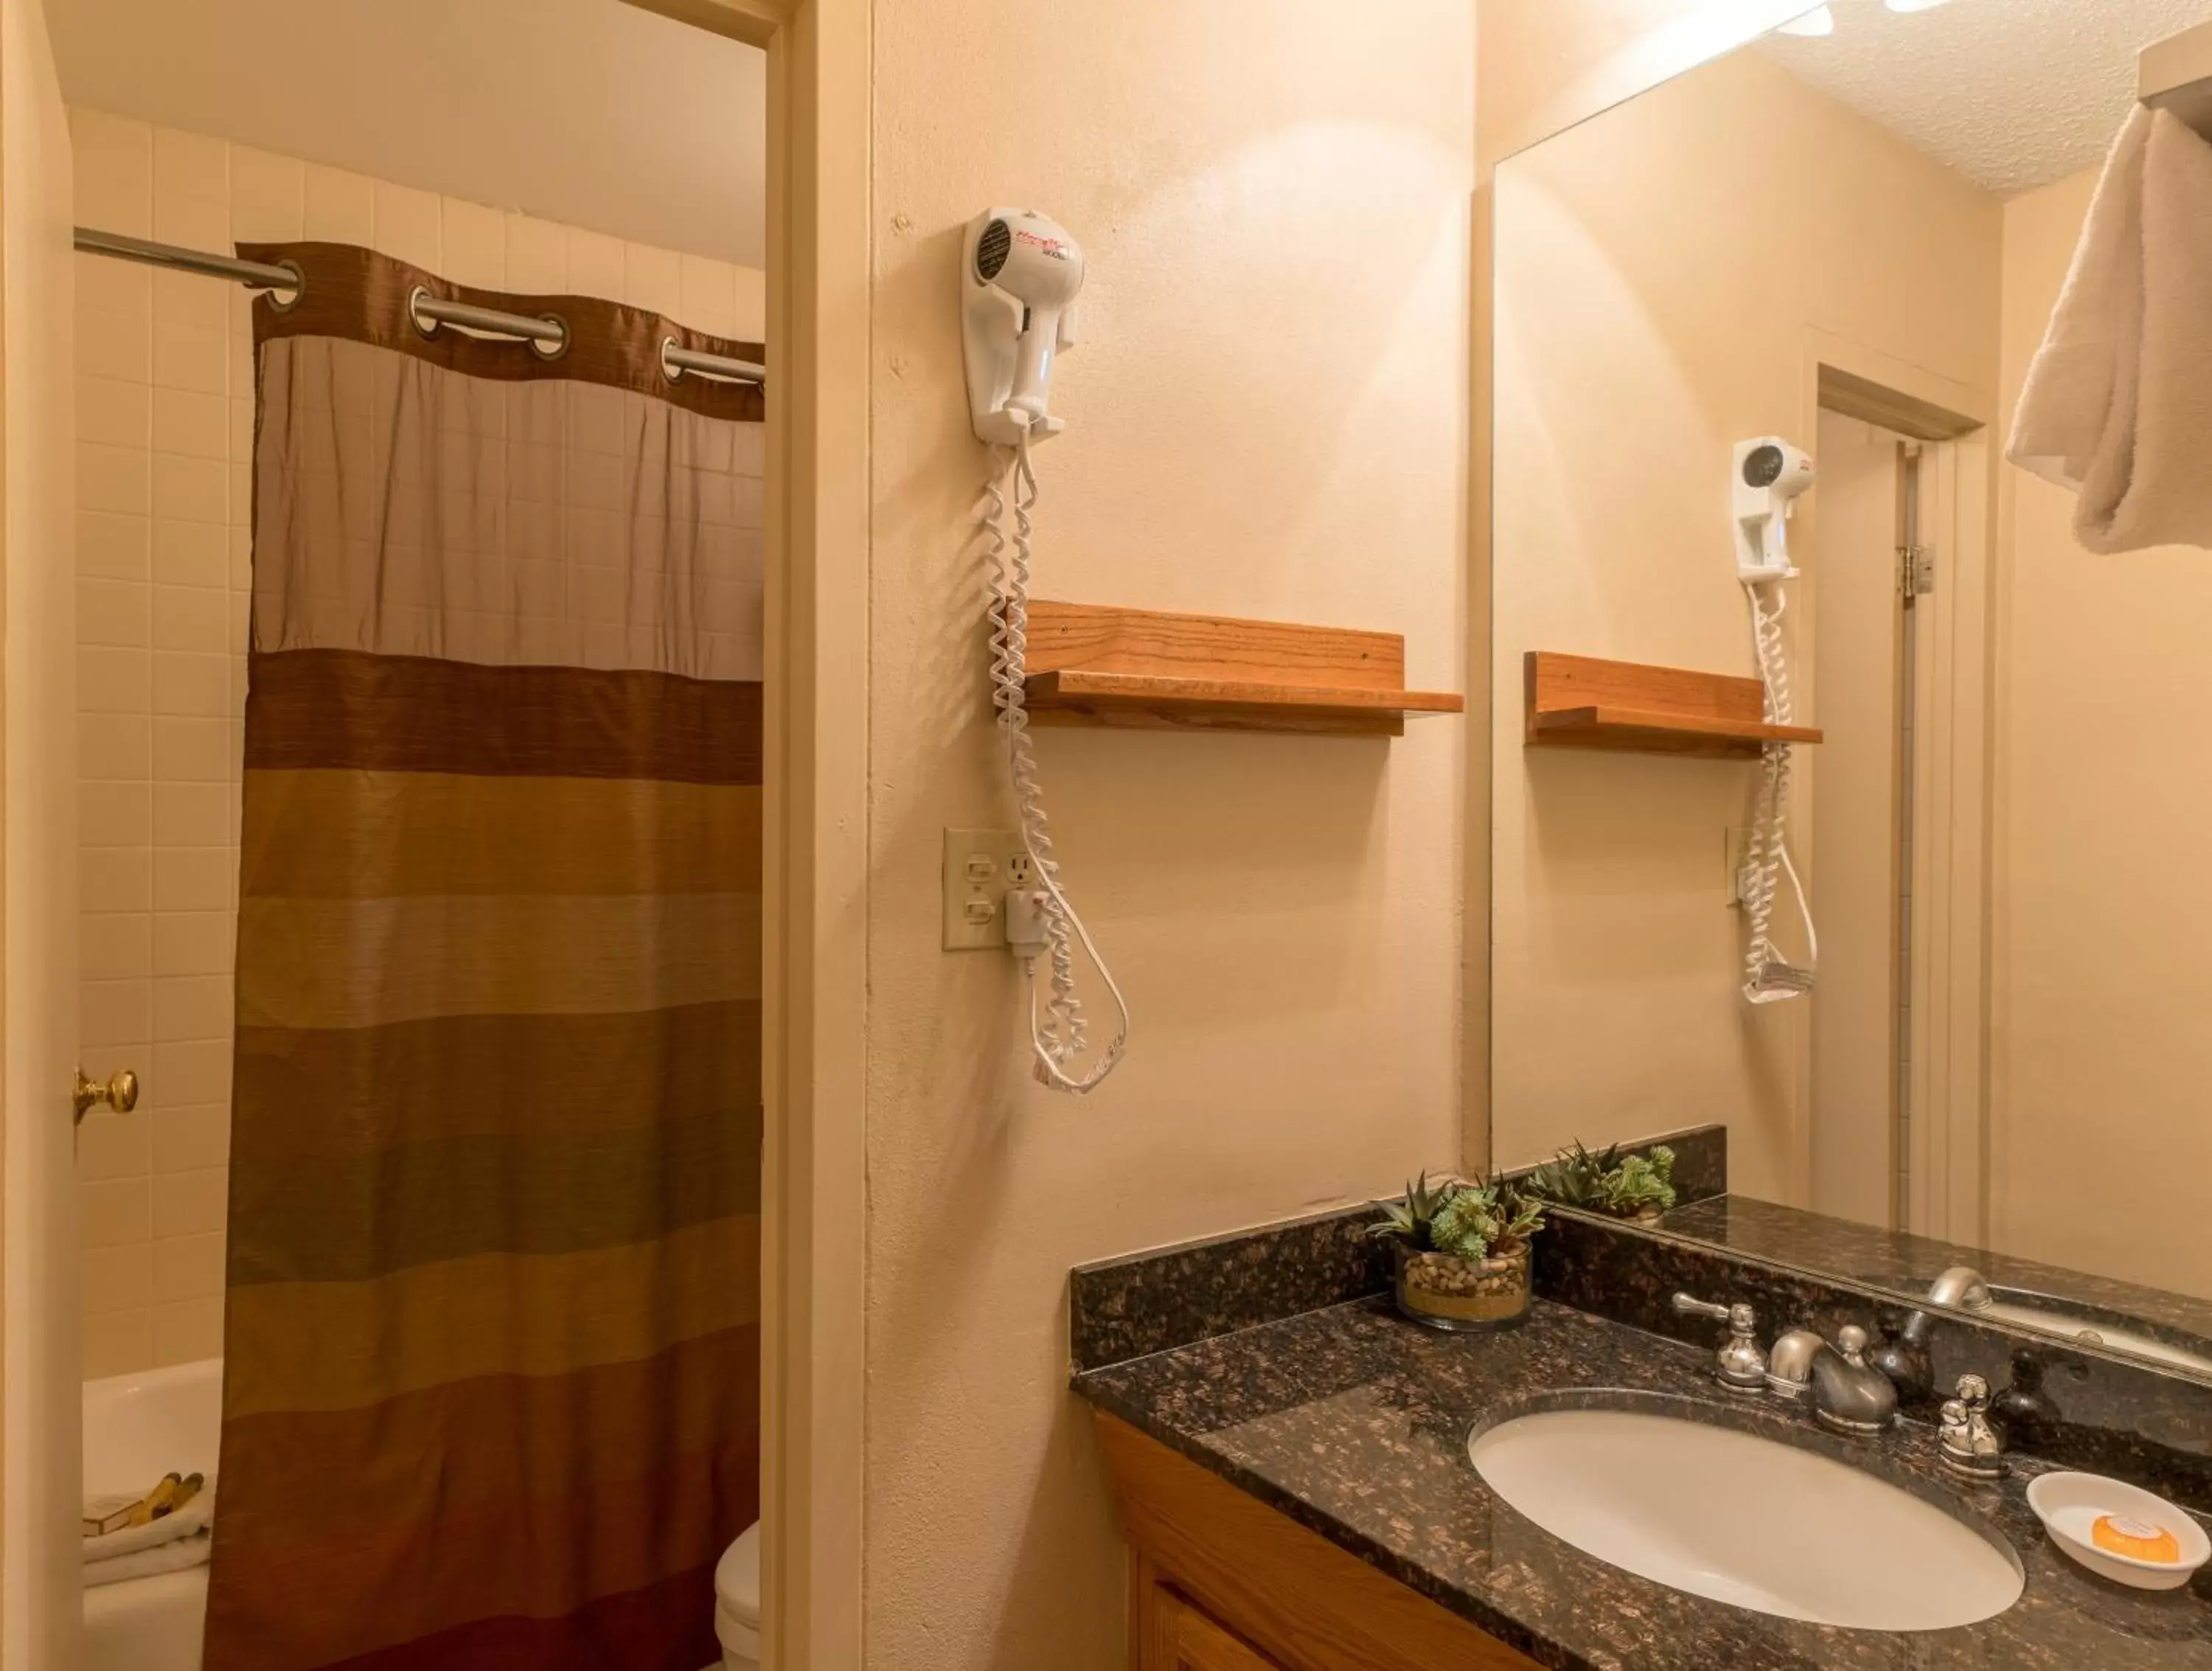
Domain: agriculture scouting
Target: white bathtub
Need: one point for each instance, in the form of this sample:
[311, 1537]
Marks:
[137, 1428]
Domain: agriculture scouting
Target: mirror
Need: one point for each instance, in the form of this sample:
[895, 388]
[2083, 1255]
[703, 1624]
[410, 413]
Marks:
[1849, 240]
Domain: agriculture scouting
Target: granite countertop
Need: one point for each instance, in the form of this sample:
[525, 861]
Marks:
[1355, 1423]
[1906, 1263]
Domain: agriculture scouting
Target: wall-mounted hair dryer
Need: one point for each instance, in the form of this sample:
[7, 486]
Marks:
[1768, 476]
[1020, 273]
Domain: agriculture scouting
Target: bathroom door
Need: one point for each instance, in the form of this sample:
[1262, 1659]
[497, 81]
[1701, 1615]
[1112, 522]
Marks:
[41, 1459]
[1857, 846]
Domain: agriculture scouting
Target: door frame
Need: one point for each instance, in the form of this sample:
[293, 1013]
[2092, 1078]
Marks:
[1952, 845]
[815, 879]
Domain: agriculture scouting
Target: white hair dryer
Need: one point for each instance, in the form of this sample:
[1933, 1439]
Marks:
[1765, 480]
[1019, 275]
[1768, 476]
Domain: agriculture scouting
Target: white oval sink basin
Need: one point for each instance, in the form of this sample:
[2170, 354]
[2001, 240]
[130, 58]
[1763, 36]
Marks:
[1744, 1520]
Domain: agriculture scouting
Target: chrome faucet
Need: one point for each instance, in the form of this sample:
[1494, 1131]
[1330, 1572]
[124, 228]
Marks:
[1740, 1365]
[1849, 1395]
[1968, 1443]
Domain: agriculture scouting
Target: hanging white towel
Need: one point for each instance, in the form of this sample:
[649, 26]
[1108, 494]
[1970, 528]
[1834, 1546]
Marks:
[2117, 405]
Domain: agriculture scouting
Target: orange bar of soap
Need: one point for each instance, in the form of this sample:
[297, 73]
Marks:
[2135, 1537]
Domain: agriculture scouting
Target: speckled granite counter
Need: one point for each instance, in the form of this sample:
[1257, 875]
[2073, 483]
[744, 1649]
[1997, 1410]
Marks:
[1355, 1424]
[1905, 1264]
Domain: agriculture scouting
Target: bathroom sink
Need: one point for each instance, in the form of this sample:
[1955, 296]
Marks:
[1753, 1521]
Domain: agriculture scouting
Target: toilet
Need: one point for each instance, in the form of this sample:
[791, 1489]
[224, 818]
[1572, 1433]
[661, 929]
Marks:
[737, 1603]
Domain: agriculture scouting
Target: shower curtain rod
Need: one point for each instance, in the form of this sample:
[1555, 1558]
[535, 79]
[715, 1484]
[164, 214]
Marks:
[548, 333]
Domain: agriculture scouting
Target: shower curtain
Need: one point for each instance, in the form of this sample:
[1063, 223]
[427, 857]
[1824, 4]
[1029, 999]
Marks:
[491, 1391]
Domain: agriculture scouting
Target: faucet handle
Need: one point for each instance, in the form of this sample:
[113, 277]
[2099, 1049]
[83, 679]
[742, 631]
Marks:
[1740, 1365]
[1968, 1443]
[1736, 1316]
[1851, 1341]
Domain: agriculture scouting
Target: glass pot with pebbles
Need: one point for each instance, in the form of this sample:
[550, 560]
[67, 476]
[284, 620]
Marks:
[1460, 1251]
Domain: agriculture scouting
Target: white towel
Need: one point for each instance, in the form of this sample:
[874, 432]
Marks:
[175, 1556]
[2119, 404]
[174, 1541]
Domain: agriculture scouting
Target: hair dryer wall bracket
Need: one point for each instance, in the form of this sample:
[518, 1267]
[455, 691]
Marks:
[1020, 275]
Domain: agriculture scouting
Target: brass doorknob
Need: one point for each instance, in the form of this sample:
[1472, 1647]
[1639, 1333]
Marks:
[119, 1092]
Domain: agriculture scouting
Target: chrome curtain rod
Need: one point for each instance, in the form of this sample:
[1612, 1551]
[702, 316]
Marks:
[547, 333]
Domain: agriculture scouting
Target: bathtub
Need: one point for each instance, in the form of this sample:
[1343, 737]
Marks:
[137, 1428]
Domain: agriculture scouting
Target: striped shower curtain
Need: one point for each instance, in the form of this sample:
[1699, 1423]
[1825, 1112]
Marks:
[491, 1391]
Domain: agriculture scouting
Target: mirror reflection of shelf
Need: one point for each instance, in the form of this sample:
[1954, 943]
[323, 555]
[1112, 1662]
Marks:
[1582, 702]
[1091, 664]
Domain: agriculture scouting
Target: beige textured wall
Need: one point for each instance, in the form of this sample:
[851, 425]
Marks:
[165, 428]
[1660, 291]
[1547, 64]
[2100, 912]
[1266, 416]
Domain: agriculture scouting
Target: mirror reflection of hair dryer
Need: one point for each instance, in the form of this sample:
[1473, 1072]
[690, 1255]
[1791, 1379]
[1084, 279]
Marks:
[1770, 474]
[1767, 476]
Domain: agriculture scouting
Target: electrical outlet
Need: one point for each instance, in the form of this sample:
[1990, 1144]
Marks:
[980, 865]
[1021, 870]
[1737, 855]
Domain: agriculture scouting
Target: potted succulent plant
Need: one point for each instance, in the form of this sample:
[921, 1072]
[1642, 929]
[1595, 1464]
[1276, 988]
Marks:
[1461, 1252]
[1634, 1186]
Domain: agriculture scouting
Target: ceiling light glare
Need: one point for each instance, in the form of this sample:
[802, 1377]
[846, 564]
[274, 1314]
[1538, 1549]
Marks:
[1818, 21]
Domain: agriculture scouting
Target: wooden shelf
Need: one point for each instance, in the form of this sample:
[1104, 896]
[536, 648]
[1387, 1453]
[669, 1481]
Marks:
[1579, 702]
[1093, 664]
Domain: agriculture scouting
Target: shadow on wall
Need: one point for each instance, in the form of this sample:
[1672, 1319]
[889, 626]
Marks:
[1070, 1561]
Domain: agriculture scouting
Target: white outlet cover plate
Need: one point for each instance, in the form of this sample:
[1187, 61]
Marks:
[965, 930]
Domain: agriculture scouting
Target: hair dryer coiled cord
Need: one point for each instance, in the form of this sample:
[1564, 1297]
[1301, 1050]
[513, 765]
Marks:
[1059, 1035]
[1769, 858]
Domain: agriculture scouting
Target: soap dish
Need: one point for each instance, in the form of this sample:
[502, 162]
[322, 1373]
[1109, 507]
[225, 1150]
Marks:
[2070, 1505]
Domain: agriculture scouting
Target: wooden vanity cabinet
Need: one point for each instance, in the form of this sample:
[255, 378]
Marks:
[1220, 1581]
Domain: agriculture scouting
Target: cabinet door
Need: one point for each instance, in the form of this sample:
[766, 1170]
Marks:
[1186, 1639]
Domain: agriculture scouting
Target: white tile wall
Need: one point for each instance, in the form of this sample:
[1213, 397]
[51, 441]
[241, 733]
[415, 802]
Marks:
[164, 379]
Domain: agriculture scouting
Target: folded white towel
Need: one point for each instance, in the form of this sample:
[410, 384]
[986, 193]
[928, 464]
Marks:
[174, 1556]
[2117, 405]
[175, 1540]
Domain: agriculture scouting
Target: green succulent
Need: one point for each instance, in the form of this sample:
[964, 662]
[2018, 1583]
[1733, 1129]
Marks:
[1609, 1182]
[1409, 1220]
[1576, 1177]
[1464, 1225]
[1468, 1221]
[1642, 1182]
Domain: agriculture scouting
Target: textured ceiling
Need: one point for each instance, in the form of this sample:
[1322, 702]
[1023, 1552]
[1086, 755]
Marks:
[584, 112]
[2015, 94]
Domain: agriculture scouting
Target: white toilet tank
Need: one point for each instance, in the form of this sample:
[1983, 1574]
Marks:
[737, 1603]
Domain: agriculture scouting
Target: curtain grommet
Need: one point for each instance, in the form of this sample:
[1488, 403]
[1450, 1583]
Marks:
[275, 295]
[421, 321]
[559, 346]
[669, 369]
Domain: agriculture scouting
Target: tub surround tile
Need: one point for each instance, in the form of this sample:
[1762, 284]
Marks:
[1124, 1307]
[1355, 1424]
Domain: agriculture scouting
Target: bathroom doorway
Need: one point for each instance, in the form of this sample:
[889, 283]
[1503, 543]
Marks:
[1896, 590]
[176, 449]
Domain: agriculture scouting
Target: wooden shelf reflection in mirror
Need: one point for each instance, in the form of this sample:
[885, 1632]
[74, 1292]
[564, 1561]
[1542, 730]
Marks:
[1093, 664]
[1581, 703]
